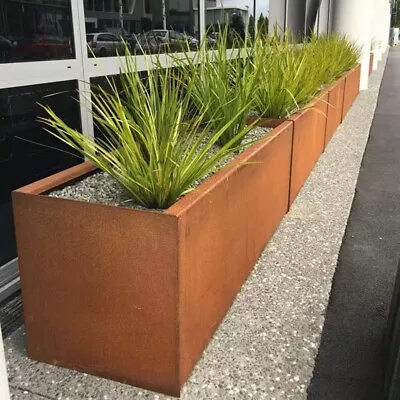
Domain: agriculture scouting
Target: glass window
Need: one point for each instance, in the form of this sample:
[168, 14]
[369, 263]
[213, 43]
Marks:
[181, 18]
[35, 30]
[89, 5]
[140, 17]
[147, 6]
[102, 38]
[111, 38]
[99, 5]
[234, 19]
[108, 5]
[27, 151]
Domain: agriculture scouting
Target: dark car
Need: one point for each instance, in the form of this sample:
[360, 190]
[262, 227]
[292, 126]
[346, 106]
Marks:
[6, 49]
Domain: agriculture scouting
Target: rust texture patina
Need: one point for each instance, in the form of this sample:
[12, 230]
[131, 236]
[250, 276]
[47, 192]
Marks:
[371, 63]
[335, 106]
[308, 141]
[265, 122]
[351, 88]
[224, 228]
[134, 295]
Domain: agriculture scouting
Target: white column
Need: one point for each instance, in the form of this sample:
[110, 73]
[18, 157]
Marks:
[375, 30]
[380, 27]
[353, 18]
[386, 26]
[202, 16]
[78, 17]
[296, 17]
[4, 393]
[324, 12]
[395, 36]
[277, 14]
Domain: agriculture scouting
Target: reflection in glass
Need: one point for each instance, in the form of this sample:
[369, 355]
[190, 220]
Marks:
[35, 30]
[149, 26]
[27, 151]
[218, 17]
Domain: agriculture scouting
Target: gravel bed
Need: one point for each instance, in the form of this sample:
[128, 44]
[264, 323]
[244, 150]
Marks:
[100, 188]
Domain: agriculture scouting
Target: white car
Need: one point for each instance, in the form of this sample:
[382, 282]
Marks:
[104, 44]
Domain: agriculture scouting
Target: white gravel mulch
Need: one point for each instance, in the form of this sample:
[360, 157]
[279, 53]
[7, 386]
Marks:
[100, 188]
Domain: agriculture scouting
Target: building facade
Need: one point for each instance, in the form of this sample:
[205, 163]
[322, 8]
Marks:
[366, 22]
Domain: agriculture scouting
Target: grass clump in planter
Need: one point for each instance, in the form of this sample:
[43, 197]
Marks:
[150, 147]
[290, 74]
[335, 53]
[284, 82]
[222, 80]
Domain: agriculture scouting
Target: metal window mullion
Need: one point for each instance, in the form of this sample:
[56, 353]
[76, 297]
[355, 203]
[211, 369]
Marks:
[78, 14]
[202, 19]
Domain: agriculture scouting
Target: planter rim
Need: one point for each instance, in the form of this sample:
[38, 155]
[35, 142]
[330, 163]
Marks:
[348, 72]
[182, 204]
[191, 198]
[321, 96]
[265, 121]
[333, 85]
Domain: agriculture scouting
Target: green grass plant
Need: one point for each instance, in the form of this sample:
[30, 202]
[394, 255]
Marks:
[149, 147]
[284, 82]
[289, 73]
[223, 81]
[160, 133]
[329, 56]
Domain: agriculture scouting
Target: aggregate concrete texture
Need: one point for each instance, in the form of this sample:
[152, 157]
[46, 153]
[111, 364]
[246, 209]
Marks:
[352, 357]
[267, 344]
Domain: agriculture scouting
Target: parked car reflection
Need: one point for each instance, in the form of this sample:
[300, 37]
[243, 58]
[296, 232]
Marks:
[161, 41]
[44, 47]
[7, 48]
[104, 44]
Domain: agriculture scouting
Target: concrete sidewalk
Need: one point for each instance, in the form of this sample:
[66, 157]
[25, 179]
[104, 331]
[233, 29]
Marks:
[352, 360]
[267, 344]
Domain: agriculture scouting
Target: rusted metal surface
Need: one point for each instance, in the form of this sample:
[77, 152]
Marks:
[265, 122]
[134, 295]
[308, 141]
[351, 88]
[100, 289]
[223, 230]
[335, 106]
[371, 63]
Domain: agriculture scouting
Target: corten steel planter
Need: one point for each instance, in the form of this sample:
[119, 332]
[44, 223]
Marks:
[135, 295]
[351, 88]
[371, 63]
[265, 122]
[334, 109]
[308, 141]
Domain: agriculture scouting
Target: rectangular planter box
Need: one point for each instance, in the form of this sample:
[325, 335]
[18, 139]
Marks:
[133, 295]
[315, 125]
[309, 136]
[309, 127]
[351, 88]
[266, 122]
[335, 107]
[371, 63]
